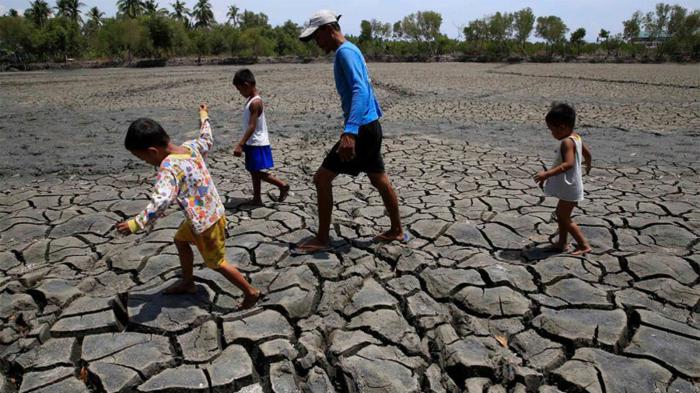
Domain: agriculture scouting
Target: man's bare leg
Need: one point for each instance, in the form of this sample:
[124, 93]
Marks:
[391, 202]
[324, 197]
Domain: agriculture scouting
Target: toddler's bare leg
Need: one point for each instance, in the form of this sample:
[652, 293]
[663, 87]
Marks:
[563, 213]
[582, 245]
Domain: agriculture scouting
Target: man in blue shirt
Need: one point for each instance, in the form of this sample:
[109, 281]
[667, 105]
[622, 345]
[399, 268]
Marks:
[359, 148]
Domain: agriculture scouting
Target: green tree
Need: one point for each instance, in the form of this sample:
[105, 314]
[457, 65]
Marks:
[552, 29]
[160, 34]
[181, 44]
[576, 39]
[604, 40]
[500, 27]
[523, 23]
[380, 31]
[94, 21]
[373, 34]
[180, 12]
[200, 43]
[38, 12]
[12, 12]
[632, 26]
[398, 31]
[62, 39]
[202, 14]
[232, 15]
[286, 38]
[476, 31]
[422, 27]
[95, 16]
[684, 30]
[365, 31]
[150, 7]
[218, 37]
[124, 36]
[254, 43]
[17, 37]
[677, 22]
[656, 23]
[69, 9]
[130, 8]
[250, 19]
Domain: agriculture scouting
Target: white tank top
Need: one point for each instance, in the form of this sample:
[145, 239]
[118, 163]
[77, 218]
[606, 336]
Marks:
[567, 186]
[259, 137]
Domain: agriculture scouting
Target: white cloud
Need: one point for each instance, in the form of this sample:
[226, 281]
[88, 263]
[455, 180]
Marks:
[3, 10]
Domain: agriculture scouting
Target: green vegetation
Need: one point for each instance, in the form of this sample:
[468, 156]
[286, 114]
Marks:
[141, 29]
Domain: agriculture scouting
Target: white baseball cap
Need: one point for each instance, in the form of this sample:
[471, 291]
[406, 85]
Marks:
[320, 18]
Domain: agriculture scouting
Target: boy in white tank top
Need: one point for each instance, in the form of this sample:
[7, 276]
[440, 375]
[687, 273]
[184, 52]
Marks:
[564, 180]
[255, 141]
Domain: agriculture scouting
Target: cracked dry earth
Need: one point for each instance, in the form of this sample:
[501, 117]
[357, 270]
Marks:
[470, 303]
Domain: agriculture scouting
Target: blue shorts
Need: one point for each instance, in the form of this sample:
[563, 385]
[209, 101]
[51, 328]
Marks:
[258, 158]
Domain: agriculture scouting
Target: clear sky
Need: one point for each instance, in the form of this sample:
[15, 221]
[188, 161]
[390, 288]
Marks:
[592, 15]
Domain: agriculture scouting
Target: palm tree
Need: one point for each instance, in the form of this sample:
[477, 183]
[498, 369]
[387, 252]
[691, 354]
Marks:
[69, 9]
[180, 12]
[95, 16]
[202, 13]
[130, 8]
[232, 15]
[93, 22]
[150, 7]
[38, 12]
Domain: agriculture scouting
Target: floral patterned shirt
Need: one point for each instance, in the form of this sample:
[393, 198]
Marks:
[184, 179]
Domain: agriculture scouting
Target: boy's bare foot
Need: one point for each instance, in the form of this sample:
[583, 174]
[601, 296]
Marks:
[181, 287]
[310, 246]
[581, 251]
[250, 299]
[389, 236]
[284, 192]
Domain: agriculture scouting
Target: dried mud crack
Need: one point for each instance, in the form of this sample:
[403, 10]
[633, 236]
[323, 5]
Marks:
[469, 303]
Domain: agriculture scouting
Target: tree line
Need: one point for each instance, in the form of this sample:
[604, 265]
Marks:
[142, 29]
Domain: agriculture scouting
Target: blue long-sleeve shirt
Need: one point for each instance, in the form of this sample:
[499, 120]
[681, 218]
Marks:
[360, 107]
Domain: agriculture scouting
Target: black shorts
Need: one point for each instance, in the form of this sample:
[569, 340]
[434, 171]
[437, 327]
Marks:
[368, 153]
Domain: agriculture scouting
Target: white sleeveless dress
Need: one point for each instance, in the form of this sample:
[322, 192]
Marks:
[567, 186]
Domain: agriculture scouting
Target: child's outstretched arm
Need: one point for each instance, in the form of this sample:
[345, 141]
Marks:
[568, 154]
[164, 193]
[205, 140]
[587, 158]
[256, 108]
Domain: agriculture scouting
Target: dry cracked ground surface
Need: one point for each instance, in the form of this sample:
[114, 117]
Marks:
[471, 303]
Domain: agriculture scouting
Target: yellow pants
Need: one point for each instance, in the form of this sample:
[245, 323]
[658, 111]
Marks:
[210, 243]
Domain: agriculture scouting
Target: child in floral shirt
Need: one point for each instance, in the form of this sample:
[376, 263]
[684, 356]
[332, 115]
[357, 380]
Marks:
[183, 178]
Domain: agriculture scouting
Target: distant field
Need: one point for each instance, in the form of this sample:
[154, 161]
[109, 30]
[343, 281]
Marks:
[68, 120]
